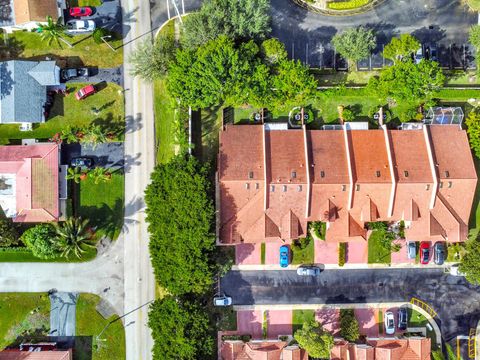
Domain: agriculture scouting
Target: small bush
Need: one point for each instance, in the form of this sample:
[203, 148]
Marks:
[319, 228]
[349, 329]
[347, 5]
[401, 230]
[377, 225]
[301, 243]
[342, 254]
[98, 33]
[283, 338]
[262, 253]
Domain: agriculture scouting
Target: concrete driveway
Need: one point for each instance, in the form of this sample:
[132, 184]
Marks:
[63, 313]
[108, 155]
[108, 15]
[453, 298]
[113, 75]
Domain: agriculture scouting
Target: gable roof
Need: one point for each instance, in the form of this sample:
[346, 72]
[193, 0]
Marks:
[34, 10]
[35, 355]
[35, 170]
[261, 350]
[23, 89]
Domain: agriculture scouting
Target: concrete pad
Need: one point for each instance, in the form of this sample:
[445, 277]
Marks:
[279, 322]
[63, 313]
[249, 322]
[272, 253]
[367, 321]
[357, 252]
[248, 254]
[330, 319]
[326, 252]
[400, 257]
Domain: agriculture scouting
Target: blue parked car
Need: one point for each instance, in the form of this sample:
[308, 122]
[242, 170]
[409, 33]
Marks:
[284, 252]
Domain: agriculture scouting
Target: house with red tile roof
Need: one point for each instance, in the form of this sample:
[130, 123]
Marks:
[272, 181]
[260, 350]
[413, 348]
[30, 182]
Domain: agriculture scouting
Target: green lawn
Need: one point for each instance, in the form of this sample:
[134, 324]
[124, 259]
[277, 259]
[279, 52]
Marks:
[303, 256]
[301, 316]
[111, 345]
[474, 222]
[23, 314]
[164, 107]
[94, 3]
[103, 204]
[25, 255]
[474, 4]
[105, 108]
[227, 318]
[377, 254]
[262, 253]
[29, 45]
[415, 319]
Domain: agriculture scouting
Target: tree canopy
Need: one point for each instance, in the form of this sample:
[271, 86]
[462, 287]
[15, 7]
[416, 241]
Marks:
[401, 47]
[180, 215]
[40, 239]
[181, 330]
[474, 36]
[238, 19]
[408, 81]
[8, 234]
[221, 71]
[470, 263]
[273, 51]
[314, 340]
[355, 44]
[473, 129]
[349, 329]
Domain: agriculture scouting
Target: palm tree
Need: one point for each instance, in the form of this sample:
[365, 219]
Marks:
[95, 135]
[76, 174]
[73, 237]
[100, 174]
[52, 31]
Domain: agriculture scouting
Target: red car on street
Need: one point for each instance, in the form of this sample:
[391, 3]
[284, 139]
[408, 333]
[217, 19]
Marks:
[424, 252]
[85, 92]
[81, 11]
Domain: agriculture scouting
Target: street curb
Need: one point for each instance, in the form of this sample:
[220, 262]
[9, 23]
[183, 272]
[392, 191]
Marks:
[345, 267]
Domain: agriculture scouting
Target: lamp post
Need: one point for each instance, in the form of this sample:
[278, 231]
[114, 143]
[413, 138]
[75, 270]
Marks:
[108, 37]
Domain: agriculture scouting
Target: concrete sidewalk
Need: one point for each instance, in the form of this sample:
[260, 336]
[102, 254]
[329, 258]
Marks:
[251, 267]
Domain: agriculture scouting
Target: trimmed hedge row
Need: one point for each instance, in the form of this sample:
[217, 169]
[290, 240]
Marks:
[347, 5]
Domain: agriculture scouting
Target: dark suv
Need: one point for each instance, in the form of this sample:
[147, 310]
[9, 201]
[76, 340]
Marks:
[402, 318]
[439, 253]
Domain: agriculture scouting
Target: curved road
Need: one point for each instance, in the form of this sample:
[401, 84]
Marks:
[455, 300]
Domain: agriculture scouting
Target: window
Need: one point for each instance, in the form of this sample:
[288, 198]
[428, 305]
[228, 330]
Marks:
[344, 187]
[322, 174]
[357, 187]
[299, 188]
[405, 173]
[450, 184]
[294, 174]
[247, 186]
[284, 188]
[427, 187]
[377, 174]
[447, 174]
[250, 175]
[441, 184]
[272, 188]
[257, 186]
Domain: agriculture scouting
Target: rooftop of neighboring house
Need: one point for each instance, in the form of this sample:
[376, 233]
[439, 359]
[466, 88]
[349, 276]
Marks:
[35, 355]
[261, 350]
[308, 179]
[19, 12]
[383, 349]
[23, 89]
[29, 182]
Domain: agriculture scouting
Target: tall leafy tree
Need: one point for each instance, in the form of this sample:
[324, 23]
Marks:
[474, 36]
[150, 61]
[473, 129]
[180, 218]
[401, 47]
[349, 329]
[314, 340]
[8, 234]
[470, 263]
[354, 44]
[408, 81]
[180, 330]
[40, 239]
[238, 19]
[72, 237]
[273, 51]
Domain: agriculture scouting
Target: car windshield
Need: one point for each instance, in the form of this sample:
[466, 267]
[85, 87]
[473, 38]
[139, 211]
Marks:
[390, 322]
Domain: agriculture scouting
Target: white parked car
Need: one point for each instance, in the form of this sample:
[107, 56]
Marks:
[454, 270]
[222, 300]
[389, 323]
[80, 26]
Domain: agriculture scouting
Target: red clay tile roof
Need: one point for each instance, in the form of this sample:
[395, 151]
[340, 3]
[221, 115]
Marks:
[253, 350]
[36, 169]
[41, 355]
[34, 10]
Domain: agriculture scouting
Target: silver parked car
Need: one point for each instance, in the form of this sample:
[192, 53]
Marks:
[411, 249]
[80, 26]
[308, 271]
[222, 300]
[389, 323]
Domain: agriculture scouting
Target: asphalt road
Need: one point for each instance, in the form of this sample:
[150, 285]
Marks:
[455, 300]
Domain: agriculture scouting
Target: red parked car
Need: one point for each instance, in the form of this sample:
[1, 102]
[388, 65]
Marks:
[81, 11]
[424, 252]
[85, 92]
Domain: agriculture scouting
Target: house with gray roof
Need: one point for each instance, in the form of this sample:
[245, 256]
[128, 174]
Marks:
[23, 90]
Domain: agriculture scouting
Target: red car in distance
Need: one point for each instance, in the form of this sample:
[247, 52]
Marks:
[85, 92]
[81, 11]
[424, 252]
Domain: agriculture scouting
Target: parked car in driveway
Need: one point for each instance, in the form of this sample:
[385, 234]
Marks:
[424, 252]
[454, 270]
[433, 52]
[439, 253]
[80, 11]
[85, 92]
[222, 300]
[80, 26]
[402, 318]
[418, 55]
[72, 73]
[389, 323]
[411, 249]
[308, 271]
[284, 255]
[82, 162]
